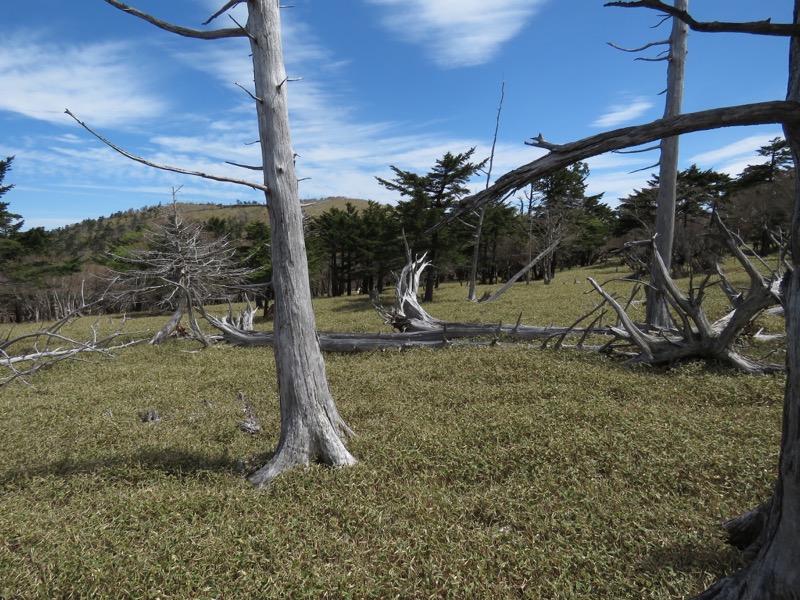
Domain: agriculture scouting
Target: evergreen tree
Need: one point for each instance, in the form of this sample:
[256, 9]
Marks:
[10, 223]
[428, 198]
[780, 159]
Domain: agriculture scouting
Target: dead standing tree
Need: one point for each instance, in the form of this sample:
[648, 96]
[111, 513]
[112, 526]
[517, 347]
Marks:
[311, 427]
[658, 315]
[185, 266]
[775, 571]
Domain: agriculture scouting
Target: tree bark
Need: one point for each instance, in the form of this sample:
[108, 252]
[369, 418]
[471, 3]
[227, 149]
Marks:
[657, 315]
[311, 427]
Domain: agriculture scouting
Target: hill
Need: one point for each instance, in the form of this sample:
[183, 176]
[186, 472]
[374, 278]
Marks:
[92, 239]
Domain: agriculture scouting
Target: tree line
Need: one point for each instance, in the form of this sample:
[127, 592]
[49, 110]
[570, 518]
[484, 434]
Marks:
[356, 249]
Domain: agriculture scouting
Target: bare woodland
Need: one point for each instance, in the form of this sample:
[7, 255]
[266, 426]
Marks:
[311, 427]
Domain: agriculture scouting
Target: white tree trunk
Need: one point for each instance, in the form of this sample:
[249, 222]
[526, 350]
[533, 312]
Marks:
[311, 428]
[657, 307]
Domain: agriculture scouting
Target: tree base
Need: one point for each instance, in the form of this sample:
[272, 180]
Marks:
[285, 460]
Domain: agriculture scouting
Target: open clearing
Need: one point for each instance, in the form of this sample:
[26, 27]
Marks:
[484, 471]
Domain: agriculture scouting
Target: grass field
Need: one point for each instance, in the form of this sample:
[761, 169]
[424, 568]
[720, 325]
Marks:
[488, 472]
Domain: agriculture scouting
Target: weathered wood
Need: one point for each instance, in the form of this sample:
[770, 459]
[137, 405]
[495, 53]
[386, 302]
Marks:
[696, 336]
[657, 310]
[563, 155]
[420, 338]
[546, 252]
[311, 427]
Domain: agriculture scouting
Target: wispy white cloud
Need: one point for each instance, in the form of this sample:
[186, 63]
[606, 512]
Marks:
[458, 33]
[618, 114]
[734, 153]
[40, 79]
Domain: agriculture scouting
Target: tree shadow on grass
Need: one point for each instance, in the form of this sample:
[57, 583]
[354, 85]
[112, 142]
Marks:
[130, 467]
[693, 559]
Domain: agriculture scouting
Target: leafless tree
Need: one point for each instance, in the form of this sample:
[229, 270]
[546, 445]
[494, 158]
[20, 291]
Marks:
[185, 267]
[473, 273]
[311, 426]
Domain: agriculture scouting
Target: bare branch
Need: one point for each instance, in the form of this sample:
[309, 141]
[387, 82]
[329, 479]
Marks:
[765, 27]
[779, 111]
[250, 184]
[645, 47]
[639, 150]
[244, 29]
[248, 92]
[540, 142]
[223, 10]
[647, 168]
[250, 167]
[191, 33]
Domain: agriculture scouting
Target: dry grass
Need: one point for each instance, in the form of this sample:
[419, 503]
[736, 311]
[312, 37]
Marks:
[484, 472]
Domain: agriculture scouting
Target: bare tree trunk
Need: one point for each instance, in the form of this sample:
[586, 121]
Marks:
[473, 275]
[311, 427]
[170, 326]
[657, 307]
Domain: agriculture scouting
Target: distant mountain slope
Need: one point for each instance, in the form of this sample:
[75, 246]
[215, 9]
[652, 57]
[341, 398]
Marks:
[92, 239]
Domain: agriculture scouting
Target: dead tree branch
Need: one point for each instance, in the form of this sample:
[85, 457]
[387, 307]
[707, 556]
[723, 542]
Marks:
[696, 336]
[544, 253]
[26, 354]
[765, 27]
[250, 184]
[563, 155]
[191, 33]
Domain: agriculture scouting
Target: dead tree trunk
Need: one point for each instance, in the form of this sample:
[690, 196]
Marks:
[170, 326]
[407, 314]
[473, 273]
[657, 306]
[311, 427]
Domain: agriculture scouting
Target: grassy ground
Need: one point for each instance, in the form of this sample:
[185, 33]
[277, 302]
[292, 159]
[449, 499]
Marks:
[484, 472]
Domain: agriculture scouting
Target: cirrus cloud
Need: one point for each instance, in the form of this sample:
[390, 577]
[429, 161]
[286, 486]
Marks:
[458, 33]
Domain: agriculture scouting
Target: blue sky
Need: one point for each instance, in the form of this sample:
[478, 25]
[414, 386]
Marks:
[385, 82]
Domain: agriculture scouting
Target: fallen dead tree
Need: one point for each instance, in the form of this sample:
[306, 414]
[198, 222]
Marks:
[695, 337]
[415, 327]
[449, 333]
[23, 355]
[694, 334]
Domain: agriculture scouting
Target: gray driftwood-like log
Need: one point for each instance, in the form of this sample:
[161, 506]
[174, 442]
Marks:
[23, 355]
[695, 336]
[447, 334]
